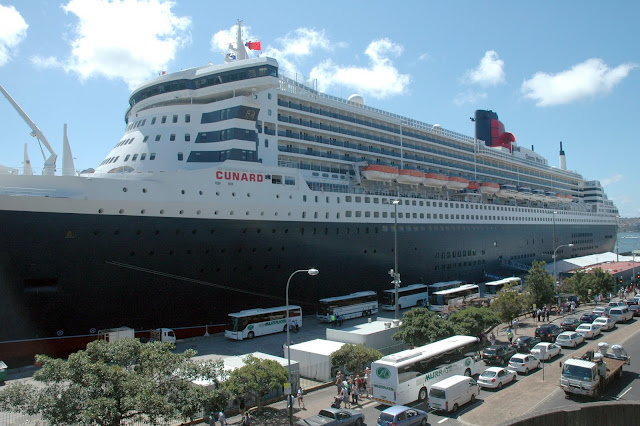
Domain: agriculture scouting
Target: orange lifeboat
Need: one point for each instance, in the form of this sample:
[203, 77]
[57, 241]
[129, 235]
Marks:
[379, 172]
[489, 187]
[473, 185]
[456, 182]
[434, 179]
[410, 177]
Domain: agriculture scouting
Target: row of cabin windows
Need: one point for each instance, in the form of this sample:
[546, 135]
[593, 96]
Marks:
[198, 157]
[163, 120]
[143, 156]
[172, 137]
[459, 264]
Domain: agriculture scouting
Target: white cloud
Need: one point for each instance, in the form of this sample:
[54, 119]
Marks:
[129, 40]
[610, 180]
[469, 97]
[489, 72]
[220, 41]
[13, 29]
[585, 80]
[297, 45]
[380, 79]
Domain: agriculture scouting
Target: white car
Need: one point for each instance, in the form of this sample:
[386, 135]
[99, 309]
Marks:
[545, 351]
[569, 339]
[599, 310]
[523, 363]
[605, 323]
[589, 331]
[496, 377]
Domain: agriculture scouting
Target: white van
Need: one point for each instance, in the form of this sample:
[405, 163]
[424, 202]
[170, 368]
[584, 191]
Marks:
[621, 314]
[453, 392]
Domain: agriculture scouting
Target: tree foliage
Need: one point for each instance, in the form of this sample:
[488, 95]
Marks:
[256, 378]
[354, 357]
[420, 326]
[109, 383]
[508, 304]
[540, 284]
[600, 282]
[472, 321]
[577, 284]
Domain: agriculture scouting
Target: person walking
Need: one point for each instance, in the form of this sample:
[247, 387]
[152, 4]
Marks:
[492, 338]
[246, 419]
[355, 392]
[222, 419]
[339, 381]
[300, 397]
[212, 419]
[510, 336]
[515, 326]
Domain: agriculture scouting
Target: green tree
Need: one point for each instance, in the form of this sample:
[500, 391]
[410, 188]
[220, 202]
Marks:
[109, 383]
[421, 326]
[472, 321]
[540, 284]
[577, 284]
[256, 378]
[600, 282]
[509, 304]
[354, 357]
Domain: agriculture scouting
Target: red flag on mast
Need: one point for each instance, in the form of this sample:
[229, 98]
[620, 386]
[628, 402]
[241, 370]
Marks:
[253, 45]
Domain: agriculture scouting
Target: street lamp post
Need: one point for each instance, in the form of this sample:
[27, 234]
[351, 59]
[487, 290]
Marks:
[555, 277]
[394, 273]
[312, 272]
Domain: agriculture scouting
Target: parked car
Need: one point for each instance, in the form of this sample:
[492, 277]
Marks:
[496, 377]
[600, 310]
[400, 415]
[621, 314]
[453, 392]
[524, 344]
[617, 303]
[605, 323]
[334, 417]
[545, 351]
[588, 318]
[548, 332]
[589, 331]
[497, 354]
[523, 363]
[570, 324]
[635, 309]
[570, 339]
[633, 301]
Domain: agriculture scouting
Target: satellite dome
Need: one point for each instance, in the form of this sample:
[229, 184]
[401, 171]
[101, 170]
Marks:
[356, 99]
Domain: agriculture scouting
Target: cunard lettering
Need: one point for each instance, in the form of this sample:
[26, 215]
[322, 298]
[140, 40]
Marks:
[239, 176]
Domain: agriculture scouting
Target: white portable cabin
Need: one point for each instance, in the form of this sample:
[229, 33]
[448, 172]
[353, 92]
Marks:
[375, 334]
[313, 357]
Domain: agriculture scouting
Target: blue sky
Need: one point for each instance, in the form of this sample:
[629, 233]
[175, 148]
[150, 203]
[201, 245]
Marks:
[553, 71]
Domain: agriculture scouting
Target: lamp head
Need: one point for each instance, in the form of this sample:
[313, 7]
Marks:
[313, 271]
[395, 201]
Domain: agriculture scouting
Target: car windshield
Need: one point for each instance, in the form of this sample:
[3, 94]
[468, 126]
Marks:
[584, 327]
[385, 417]
[522, 340]
[324, 413]
[517, 359]
[539, 347]
[563, 337]
[575, 372]
[488, 374]
[490, 351]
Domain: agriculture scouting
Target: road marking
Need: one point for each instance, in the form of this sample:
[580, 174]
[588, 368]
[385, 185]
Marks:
[443, 420]
[620, 396]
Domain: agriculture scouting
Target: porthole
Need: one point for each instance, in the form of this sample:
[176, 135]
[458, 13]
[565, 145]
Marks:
[182, 192]
[177, 232]
[170, 252]
[277, 195]
[247, 213]
[276, 213]
[289, 214]
[198, 212]
[213, 231]
[138, 232]
[223, 250]
[231, 213]
[151, 253]
[291, 197]
[100, 210]
[217, 192]
[124, 189]
[216, 212]
[248, 195]
[181, 211]
[233, 194]
[96, 232]
[144, 190]
[143, 211]
[261, 213]
[121, 211]
[162, 211]
[200, 192]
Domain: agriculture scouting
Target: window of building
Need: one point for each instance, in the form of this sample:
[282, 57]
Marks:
[172, 137]
[153, 120]
[143, 156]
[152, 156]
[175, 118]
[164, 119]
[145, 138]
[127, 157]
[157, 138]
[135, 157]
[187, 137]
[187, 118]
[180, 156]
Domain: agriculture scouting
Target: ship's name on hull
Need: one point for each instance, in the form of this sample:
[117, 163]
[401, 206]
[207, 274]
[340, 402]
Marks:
[241, 176]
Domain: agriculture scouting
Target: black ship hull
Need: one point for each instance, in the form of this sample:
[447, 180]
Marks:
[69, 274]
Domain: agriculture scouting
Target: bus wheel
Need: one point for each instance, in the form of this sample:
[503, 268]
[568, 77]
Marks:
[364, 313]
[251, 335]
[284, 328]
[467, 372]
[422, 395]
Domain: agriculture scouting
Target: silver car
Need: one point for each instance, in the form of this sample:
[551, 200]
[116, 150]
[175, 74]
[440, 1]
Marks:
[570, 339]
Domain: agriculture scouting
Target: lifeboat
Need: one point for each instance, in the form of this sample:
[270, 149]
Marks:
[473, 185]
[410, 177]
[435, 180]
[489, 188]
[550, 196]
[524, 193]
[456, 182]
[563, 198]
[379, 172]
[508, 191]
[537, 194]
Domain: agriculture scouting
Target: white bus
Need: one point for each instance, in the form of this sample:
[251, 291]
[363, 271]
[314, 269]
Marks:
[403, 377]
[492, 288]
[360, 304]
[447, 300]
[445, 285]
[411, 295]
[258, 322]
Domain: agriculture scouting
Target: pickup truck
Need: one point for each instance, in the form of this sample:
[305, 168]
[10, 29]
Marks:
[593, 372]
[334, 416]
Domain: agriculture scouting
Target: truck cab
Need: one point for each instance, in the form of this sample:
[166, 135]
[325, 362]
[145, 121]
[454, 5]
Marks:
[162, 335]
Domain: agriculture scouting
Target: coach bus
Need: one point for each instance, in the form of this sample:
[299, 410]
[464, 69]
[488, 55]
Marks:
[411, 295]
[360, 304]
[446, 300]
[445, 285]
[407, 376]
[492, 288]
[258, 322]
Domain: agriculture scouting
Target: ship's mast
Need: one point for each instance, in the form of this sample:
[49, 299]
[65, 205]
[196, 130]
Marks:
[49, 163]
[239, 50]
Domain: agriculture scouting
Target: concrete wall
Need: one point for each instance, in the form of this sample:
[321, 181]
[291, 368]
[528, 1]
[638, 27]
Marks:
[593, 413]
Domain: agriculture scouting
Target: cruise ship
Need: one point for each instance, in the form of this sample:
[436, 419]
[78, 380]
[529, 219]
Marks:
[230, 177]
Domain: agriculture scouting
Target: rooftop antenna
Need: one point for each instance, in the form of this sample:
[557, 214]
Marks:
[239, 51]
[49, 163]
